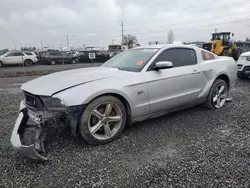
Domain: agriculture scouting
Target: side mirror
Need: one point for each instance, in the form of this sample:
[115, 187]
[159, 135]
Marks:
[163, 65]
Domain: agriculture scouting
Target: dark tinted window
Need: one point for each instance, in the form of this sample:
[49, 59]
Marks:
[207, 55]
[65, 54]
[178, 56]
[15, 54]
[55, 53]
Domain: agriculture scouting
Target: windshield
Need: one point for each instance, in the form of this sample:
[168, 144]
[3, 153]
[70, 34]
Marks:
[217, 36]
[131, 60]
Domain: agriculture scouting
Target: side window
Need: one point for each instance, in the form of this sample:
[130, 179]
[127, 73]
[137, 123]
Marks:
[178, 56]
[207, 55]
[11, 54]
[65, 54]
[19, 54]
[55, 53]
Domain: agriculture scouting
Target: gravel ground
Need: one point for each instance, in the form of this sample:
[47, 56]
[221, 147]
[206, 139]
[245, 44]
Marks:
[195, 147]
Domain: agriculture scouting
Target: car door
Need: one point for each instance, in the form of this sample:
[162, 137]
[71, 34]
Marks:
[19, 58]
[12, 58]
[59, 57]
[66, 57]
[178, 85]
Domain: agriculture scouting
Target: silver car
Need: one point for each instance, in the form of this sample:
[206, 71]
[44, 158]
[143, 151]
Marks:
[134, 85]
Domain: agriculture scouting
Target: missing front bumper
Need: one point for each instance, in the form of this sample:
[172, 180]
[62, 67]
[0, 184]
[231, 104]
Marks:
[16, 136]
[42, 120]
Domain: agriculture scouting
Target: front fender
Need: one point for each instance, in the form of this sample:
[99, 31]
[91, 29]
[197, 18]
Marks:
[83, 94]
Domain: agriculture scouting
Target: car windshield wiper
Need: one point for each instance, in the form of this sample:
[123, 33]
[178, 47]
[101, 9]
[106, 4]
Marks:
[122, 69]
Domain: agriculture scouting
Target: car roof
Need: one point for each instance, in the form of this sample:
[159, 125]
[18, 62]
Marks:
[160, 46]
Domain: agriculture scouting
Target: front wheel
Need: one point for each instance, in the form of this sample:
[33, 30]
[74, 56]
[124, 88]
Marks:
[103, 120]
[1, 64]
[217, 95]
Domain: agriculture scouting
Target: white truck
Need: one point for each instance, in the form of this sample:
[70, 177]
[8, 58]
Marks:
[15, 58]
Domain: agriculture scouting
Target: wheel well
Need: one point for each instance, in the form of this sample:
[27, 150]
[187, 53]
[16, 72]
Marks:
[225, 78]
[28, 60]
[124, 102]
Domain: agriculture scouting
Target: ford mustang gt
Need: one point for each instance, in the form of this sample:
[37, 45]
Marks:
[135, 85]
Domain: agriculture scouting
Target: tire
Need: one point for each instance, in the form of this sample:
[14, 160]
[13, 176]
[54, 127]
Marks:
[241, 76]
[103, 134]
[52, 62]
[28, 63]
[212, 95]
[1, 64]
[74, 61]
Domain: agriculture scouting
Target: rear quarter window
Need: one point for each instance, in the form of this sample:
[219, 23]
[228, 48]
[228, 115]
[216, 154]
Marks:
[207, 56]
[28, 53]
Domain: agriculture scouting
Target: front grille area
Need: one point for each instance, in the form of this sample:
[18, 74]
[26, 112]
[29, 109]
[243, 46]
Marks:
[33, 101]
[246, 68]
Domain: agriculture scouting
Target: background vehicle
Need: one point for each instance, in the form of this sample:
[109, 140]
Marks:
[243, 66]
[116, 48]
[14, 58]
[222, 45]
[244, 46]
[101, 56]
[135, 85]
[54, 57]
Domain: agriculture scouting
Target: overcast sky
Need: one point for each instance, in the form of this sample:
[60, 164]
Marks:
[98, 22]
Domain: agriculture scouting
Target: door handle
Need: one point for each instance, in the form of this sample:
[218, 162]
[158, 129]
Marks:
[196, 72]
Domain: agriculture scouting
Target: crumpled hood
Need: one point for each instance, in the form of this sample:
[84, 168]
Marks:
[55, 82]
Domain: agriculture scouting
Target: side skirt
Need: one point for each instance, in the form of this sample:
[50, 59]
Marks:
[167, 111]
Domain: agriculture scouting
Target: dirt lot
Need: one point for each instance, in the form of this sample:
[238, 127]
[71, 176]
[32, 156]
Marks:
[191, 148]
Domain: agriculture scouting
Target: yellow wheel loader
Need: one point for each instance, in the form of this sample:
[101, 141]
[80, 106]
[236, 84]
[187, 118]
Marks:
[222, 45]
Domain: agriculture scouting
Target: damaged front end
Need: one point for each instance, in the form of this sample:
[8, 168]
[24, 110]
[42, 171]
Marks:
[44, 112]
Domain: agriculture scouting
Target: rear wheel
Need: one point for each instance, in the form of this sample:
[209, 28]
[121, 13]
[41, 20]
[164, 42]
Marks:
[52, 62]
[73, 61]
[217, 95]
[28, 63]
[103, 120]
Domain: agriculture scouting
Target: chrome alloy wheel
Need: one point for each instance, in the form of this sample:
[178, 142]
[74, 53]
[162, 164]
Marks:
[105, 120]
[220, 96]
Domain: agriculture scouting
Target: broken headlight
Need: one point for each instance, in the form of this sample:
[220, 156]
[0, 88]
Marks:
[53, 104]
